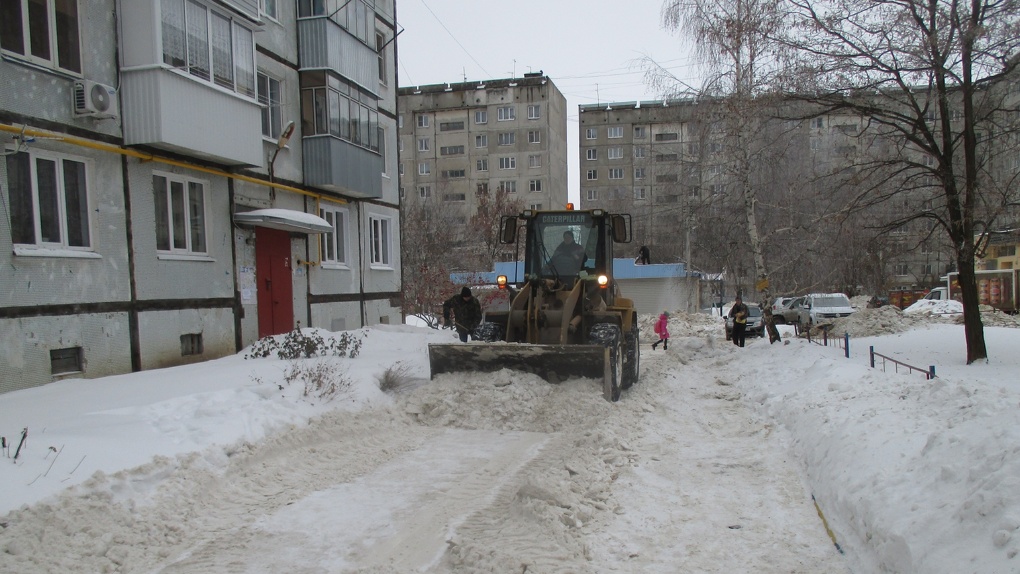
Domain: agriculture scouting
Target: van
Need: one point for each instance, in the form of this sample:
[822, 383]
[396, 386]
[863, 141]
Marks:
[937, 294]
[824, 308]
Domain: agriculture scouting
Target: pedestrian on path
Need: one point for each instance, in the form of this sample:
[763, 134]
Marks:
[662, 330]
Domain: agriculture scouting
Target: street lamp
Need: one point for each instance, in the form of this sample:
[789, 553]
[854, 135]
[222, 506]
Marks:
[281, 142]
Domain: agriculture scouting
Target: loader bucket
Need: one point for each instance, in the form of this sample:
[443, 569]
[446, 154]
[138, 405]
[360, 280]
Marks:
[554, 363]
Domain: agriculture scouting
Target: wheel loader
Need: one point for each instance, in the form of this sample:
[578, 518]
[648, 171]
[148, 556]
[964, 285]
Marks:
[568, 317]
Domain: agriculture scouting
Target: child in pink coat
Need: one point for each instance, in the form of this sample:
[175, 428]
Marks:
[662, 330]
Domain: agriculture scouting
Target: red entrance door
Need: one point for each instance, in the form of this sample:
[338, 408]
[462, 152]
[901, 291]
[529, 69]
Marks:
[274, 289]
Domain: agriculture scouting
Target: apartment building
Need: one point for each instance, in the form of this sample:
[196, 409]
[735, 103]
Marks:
[461, 141]
[183, 177]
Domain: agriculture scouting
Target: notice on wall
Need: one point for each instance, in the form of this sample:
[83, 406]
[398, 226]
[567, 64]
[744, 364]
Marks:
[246, 283]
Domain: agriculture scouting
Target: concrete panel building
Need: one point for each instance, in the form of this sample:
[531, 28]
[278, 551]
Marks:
[182, 178]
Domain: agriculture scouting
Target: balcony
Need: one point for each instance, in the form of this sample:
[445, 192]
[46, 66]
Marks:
[334, 164]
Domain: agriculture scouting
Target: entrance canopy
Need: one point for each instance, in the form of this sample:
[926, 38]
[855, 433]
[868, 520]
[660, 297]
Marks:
[284, 220]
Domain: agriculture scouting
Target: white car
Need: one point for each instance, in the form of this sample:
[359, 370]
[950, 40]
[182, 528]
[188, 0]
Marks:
[824, 308]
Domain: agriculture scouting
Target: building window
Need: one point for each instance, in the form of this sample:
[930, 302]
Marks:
[639, 193]
[400, 170]
[717, 189]
[670, 157]
[400, 121]
[639, 173]
[191, 344]
[451, 150]
[481, 117]
[505, 113]
[48, 200]
[591, 133]
[454, 173]
[534, 136]
[424, 191]
[616, 153]
[640, 152]
[535, 206]
[506, 138]
[482, 188]
[593, 174]
[423, 121]
[44, 32]
[693, 148]
[454, 197]
[508, 186]
[380, 238]
[67, 360]
[535, 185]
[482, 164]
[508, 163]
[534, 112]
[333, 244]
[424, 168]
[180, 214]
[815, 144]
[818, 122]
[593, 195]
[534, 161]
[640, 132]
[592, 154]
[902, 269]
[451, 126]
[423, 144]
[270, 98]
[209, 45]
[482, 141]
[667, 137]
[380, 49]
[333, 106]
[616, 173]
[615, 132]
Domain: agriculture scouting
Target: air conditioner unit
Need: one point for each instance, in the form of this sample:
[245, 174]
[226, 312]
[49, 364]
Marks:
[94, 99]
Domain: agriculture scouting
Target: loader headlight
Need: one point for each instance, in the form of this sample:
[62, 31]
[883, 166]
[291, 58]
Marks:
[603, 281]
[501, 281]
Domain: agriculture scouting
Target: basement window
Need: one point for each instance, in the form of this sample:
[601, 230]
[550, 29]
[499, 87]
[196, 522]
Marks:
[191, 344]
[67, 360]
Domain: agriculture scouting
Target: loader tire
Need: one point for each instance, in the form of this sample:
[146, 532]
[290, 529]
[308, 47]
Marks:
[608, 335]
[631, 357]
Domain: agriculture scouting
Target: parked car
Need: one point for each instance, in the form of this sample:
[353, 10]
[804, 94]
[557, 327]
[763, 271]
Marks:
[791, 313]
[824, 308]
[755, 323]
[780, 305]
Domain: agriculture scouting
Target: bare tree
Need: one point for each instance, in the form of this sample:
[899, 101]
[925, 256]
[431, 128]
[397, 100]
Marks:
[484, 225]
[928, 77]
[427, 235]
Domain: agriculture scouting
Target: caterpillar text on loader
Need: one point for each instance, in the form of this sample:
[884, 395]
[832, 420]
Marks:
[568, 318]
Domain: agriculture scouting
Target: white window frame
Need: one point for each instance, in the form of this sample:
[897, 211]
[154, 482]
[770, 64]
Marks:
[508, 185]
[535, 185]
[333, 250]
[614, 132]
[380, 241]
[534, 136]
[506, 114]
[482, 164]
[52, 58]
[591, 133]
[640, 151]
[380, 48]
[423, 121]
[591, 154]
[593, 175]
[506, 138]
[241, 51]
[423, 144]
[270, 8]
[482, 141]
[640, 193]
[534, 160]
[615, 152]
[640, 132]
[593, 195]
[616, 173]
[508, 162]
[194, 220]
[59, 218]
[534, 111]
[424, 191]
[481, 117]
[272, 104]
[639, 173]
[424, 168]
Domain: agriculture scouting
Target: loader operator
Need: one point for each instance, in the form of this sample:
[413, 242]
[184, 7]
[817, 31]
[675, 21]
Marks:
[568, 257]
[467, 313]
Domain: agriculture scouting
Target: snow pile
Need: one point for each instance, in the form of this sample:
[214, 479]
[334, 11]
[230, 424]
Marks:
[929, 307]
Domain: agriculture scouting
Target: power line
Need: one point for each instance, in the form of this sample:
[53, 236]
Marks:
[480, 66]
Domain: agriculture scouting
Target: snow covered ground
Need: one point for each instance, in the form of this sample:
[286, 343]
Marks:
[772, 458]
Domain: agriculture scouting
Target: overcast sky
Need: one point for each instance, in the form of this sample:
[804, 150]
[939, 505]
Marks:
[593, 50]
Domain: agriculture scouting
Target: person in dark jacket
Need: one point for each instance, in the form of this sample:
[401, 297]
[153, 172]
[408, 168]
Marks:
[467, 313]
[643, 257]
[739, 314]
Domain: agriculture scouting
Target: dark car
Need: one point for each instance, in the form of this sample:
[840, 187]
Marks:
[755, 323]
